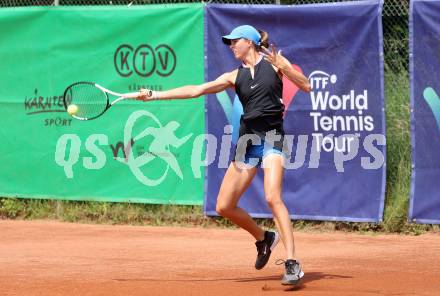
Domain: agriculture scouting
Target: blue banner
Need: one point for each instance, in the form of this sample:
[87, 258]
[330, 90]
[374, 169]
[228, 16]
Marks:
[425, 111]
[335, 134]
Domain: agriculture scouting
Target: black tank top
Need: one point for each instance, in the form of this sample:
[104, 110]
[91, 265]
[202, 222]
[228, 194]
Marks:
[261, 99]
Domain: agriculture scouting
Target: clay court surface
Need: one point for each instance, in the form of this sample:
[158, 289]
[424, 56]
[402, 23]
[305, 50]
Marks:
[53, 258]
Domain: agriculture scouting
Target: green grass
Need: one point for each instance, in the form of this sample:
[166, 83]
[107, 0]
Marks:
[398, 150]
[167, 215]
[102, 212]
[396, 202]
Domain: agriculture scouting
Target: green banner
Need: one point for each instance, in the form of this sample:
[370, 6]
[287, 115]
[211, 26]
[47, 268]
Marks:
[136, 152]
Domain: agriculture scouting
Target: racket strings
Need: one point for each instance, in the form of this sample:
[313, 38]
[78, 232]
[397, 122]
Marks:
[90, 100]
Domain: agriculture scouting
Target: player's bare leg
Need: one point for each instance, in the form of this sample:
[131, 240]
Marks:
[273, 177]
[235, 182]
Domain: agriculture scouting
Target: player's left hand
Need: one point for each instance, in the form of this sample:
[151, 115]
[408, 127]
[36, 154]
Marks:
[272, 56]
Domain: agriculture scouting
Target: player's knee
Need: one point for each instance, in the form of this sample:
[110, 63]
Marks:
[273, 200]
[223, 210]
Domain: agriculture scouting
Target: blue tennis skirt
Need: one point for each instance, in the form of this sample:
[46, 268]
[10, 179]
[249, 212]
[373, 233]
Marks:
[256, 153]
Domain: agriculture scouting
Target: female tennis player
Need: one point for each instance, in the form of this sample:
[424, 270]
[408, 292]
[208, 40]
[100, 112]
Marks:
[258, 84]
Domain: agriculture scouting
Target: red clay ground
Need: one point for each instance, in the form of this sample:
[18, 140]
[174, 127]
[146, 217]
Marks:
[53, 258]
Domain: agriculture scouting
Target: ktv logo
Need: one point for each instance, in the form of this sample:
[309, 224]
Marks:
[144, 60]
[433, 100]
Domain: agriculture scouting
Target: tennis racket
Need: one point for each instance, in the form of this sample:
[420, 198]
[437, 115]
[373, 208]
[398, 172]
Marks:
[88, 100]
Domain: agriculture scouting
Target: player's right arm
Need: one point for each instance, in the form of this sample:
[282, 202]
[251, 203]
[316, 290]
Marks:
[191, 91]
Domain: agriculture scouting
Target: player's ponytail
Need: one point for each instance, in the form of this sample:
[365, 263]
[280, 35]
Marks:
[264, 40]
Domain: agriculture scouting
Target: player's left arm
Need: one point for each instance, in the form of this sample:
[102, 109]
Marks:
[281, 64]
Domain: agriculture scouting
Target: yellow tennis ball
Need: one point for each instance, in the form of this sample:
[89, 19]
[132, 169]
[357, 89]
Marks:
[72, 109]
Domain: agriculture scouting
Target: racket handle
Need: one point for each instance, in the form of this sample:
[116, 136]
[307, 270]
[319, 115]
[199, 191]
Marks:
[134, 95]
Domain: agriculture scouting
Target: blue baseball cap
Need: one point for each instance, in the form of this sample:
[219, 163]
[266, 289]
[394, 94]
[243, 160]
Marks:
[246, 32]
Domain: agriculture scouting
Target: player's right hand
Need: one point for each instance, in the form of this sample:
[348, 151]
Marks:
[145, 94]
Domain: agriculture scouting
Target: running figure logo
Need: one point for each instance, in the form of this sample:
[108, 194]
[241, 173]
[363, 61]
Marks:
[164, 137]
